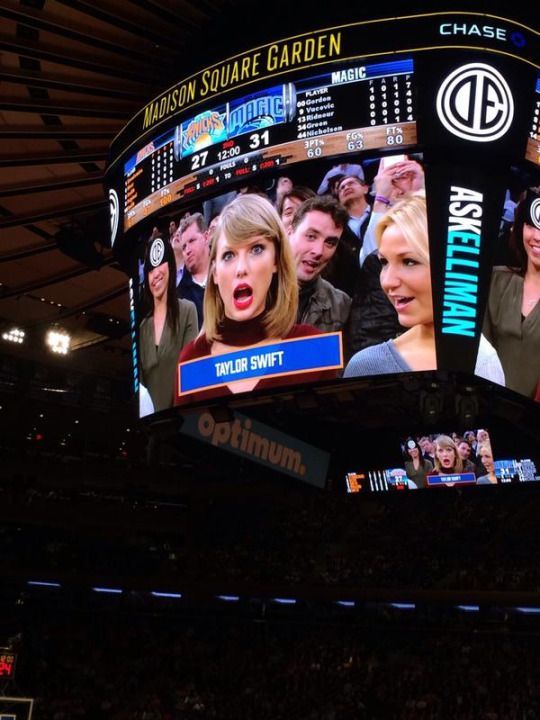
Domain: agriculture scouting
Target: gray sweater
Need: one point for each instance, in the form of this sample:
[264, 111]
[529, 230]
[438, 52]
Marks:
[385, 358]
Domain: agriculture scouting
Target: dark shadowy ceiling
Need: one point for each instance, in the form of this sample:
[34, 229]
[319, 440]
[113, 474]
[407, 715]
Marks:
[72, 72]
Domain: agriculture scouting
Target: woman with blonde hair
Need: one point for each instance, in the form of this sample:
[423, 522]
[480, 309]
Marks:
[402, 239]
[447, 458]
[485, 456]
[251, 296]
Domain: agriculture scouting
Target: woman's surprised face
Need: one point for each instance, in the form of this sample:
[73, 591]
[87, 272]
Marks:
[406, 279]
[243, 274]
[531, 243]
[446, 456]
[158, 279]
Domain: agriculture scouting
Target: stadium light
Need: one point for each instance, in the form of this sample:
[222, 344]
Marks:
[176, 596]
[403, 605]
[58, 341]
[15, 335]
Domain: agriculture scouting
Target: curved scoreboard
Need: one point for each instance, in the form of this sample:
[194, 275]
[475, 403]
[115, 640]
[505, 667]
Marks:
[459, 93]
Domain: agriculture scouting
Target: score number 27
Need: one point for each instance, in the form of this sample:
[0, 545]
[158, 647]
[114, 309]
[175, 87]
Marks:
[256, 140]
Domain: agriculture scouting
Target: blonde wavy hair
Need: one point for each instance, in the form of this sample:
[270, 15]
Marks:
[246, 217]
[410, 216]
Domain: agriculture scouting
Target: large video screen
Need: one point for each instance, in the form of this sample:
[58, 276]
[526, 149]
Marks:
[444, 460]
[334, 216]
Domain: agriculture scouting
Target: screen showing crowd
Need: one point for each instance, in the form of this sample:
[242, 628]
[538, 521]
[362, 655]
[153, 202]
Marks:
[317, 275]
[441, 460]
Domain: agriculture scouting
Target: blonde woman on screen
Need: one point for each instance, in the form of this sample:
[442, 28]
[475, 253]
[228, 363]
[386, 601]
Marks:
[403, 246]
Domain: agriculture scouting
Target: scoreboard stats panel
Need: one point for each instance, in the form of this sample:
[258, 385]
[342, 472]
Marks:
[347, 110]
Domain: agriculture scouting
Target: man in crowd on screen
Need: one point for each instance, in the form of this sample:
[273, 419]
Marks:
[465, 452]
[176, 244]
[173, 227]
[195, 249]
[428, 450]
[315, 235]
[289, 203]
[338, 171]
[343, 270]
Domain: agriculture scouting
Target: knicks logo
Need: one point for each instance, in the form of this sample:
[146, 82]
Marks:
[204, 130]
[475, 103]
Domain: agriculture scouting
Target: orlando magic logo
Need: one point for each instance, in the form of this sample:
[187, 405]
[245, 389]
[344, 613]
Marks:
[256, 113]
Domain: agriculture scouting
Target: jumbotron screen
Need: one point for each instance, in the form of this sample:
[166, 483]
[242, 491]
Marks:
[336, 205]
[444, 460]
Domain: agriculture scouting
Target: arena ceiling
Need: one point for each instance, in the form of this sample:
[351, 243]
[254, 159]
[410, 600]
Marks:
[72, 72]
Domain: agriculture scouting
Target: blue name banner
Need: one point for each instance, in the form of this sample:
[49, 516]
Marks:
[457, 479]
[316, 352]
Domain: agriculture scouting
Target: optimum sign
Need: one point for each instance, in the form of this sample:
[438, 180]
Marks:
[475, 103]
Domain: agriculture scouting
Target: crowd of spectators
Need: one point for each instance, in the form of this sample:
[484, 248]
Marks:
[114, 668]
[455, 540]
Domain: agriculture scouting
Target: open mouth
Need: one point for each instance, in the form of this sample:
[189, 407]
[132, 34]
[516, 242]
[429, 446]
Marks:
[242, 296]
[401, 302]
[310, 265]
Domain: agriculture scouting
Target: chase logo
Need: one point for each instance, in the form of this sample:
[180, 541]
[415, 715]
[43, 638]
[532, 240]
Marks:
[483, 31]
[114, 209]
[475, 103]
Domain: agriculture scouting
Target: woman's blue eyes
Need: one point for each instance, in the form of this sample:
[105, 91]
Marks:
[407, 262]
[254, 250]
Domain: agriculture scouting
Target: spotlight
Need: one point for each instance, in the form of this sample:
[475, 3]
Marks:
[15, 335]
[58, 341]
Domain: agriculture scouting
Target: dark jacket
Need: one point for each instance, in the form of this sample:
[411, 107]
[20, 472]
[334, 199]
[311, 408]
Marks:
[190, 290]
[327, 309]
[373, 318]
[342, 271]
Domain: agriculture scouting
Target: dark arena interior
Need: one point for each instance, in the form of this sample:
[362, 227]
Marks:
[269, 361]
